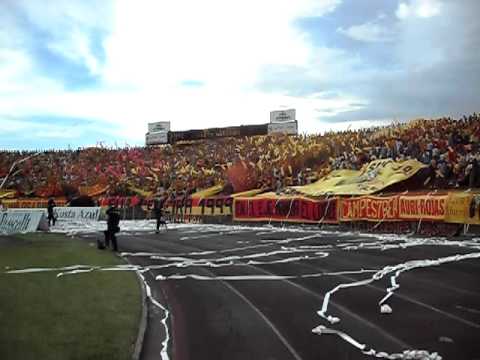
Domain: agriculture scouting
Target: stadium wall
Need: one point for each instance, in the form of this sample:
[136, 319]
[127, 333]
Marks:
[445, 213]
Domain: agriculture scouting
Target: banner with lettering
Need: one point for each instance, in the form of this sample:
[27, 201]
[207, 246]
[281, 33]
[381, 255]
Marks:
[463, 208]
[424, 207]
[20, 221]
[369, 208]
[77, 214]
[373, 177]
[80, 214]
[31, 203]
[287, 209]
[211, 206]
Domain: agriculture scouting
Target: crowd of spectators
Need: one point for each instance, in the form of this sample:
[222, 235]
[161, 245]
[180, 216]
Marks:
[449, 147]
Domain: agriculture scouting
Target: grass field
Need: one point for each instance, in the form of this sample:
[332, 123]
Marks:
[84, 316]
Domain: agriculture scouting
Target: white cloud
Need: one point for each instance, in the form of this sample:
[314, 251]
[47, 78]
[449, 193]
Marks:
[368, 32]
[76, 47]
[419, 9]
[155, 43]
[29, 129]
[153, 46]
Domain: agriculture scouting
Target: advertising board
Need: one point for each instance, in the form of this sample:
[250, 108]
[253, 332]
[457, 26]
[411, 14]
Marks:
[281, 116]
[159, 126]
[289, 128]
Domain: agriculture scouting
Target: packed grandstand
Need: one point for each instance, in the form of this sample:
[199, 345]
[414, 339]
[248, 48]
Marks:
[448, 147]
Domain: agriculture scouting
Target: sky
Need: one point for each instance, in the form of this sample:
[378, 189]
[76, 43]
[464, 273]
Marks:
[82, 72]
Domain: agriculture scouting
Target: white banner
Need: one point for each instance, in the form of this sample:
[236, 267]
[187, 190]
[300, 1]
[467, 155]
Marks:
[159, 126]
[82, 214]
[20, 221]
[156, 138]
[282, 116]
[77, 214]
[290, 128]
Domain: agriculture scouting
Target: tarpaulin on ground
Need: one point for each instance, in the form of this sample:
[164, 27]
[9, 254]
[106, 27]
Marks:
[369, 208]
[463, 208]
[422, 207]
[288, 209]
[373, 177]
[93, 190]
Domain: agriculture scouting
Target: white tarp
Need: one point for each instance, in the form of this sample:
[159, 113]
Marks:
[20, 220]
[282, 116]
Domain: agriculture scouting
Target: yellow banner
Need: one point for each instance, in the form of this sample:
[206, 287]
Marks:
[248, 193]
[140, 192]
[463, 208]
[211, 191]
[7, 194]
[373, 177]
[93, 190]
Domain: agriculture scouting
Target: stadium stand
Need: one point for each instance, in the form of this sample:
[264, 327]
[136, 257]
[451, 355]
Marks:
[450, 148]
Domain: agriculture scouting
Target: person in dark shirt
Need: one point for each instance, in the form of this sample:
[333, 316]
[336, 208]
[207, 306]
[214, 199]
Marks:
[113, 227]
[158, 204]
[51, 215]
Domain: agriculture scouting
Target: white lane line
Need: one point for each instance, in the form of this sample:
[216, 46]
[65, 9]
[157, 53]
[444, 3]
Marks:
[267, 321]
[254, 277]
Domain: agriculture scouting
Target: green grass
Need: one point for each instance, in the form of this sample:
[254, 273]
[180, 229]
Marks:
[84, 316]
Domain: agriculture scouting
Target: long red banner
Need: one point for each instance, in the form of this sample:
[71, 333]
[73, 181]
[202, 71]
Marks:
[288, 210]
[370, 208]
[392, 208]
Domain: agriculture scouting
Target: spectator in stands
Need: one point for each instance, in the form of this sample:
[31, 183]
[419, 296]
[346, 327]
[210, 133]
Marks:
[138, 170]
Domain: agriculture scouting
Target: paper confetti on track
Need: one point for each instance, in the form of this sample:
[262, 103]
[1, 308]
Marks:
[300, 245]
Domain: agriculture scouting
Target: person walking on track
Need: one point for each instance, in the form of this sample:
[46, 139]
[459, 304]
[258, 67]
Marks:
[50, 212]
[158, 204]
[113, 227]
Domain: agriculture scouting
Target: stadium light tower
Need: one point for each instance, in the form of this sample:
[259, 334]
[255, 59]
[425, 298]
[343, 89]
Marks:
[15, 163]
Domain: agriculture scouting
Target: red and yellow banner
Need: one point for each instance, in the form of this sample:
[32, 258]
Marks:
[370, 208]
[423, 207]
[212, 206]
[31, 203]
[293, 209]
